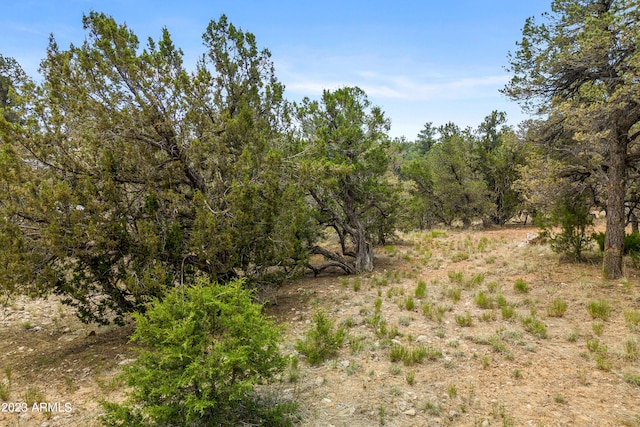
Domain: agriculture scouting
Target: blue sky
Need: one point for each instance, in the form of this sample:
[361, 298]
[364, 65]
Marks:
[419, 60]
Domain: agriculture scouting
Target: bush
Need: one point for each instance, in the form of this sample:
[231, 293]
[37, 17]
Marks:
[574, 217]
[204, 348]
[631, 242]
[322, 340]
[599, 309]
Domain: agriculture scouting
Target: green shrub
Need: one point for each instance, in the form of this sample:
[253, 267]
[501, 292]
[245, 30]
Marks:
[508, 312]
[557, 308]
[409, 303]
[421, 289]
[599, 309]
[631, 378]
[464, 320]
[203, 349]
[322, 340]
[534, 326]
[412, 355]
[631, 242]
[574, 218]
[521, 286]
[483, 300]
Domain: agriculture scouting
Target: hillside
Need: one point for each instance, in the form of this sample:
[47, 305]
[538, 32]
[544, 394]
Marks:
[499, 346]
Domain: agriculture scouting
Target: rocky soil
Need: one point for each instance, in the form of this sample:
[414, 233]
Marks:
[485, 365]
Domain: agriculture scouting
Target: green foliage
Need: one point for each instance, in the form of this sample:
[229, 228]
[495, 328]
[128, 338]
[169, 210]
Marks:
[483, 300]
[573, 68]
[521, 286]
[409, 303]
[322, 341]
[412, 355]
[557, 308]
[130, 174]
[631, 242]
[534, 326]
[459, 175]
[632, 318]
[464, 320]
[343, 168]
[421, 289]
[498, 159]
[632, 378]
[459, 190]
[600, 309]
[508, 312]
[203, 349]
[573, 216]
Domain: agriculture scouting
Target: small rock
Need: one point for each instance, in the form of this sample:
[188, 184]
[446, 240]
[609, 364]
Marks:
[485, 423]
[453, 414]
[411, 412]
[319, 381]
[326, 400]
[126, 362]
[345, 364]
[422, 338]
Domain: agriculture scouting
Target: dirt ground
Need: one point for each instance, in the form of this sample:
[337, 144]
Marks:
[486, 365]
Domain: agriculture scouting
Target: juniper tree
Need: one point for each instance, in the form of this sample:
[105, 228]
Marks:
[344, 169]
[143, 173]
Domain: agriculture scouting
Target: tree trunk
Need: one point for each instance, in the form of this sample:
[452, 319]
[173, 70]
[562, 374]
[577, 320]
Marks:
[364, 253]
[614, 236]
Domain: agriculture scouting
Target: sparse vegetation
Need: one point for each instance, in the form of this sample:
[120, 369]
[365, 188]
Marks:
[557, 308]
[410, 377]
[534, 326]
[5, 390]
[483, 300]
[631, 350]
[633, 379]
[464, 320]
[600, 309]
[409, 303]
[414, 346]
[408, 355]
[508, 312]
[454, 294]
[421, 289]
[322, 340]
[34, 395]
[632, 317]
[456, 276]
[597, 327]
[521, 286]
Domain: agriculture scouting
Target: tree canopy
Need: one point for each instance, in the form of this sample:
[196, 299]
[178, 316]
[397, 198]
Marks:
[343, 169]
[131, 174]
[579, 68]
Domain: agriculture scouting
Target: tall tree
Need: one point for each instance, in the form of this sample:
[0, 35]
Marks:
[17, 178]
[147, 174]
[498, 156]
[344, 170]
[459, 192]
[426, 138]
[580, 67]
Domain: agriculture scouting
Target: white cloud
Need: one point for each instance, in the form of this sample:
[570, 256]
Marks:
[391, 78]
[402, 87]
